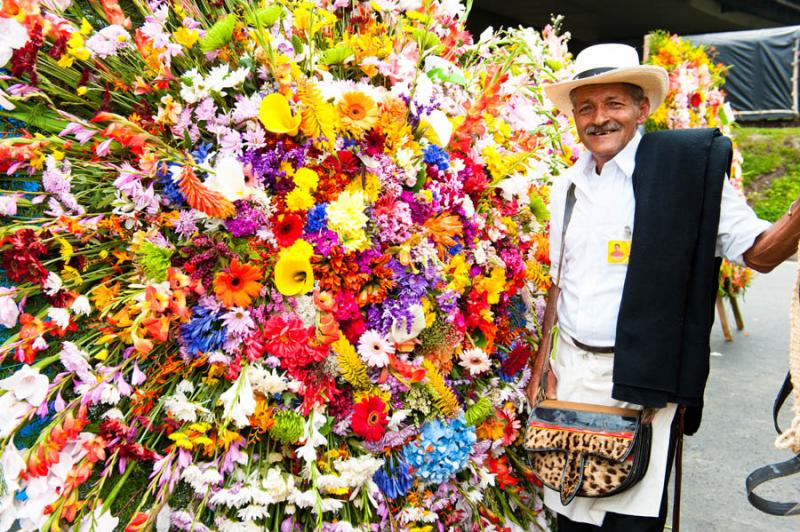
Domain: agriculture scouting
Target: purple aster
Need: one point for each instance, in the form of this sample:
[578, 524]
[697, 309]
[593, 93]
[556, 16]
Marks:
[185, 226]
[248, 220]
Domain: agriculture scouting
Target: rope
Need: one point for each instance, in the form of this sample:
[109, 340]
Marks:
[790, 438]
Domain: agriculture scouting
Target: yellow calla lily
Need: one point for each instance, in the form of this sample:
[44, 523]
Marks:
[276, 116]
[293, 273]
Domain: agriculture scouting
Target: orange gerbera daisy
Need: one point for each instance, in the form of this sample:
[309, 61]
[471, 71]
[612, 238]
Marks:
[237, 286]
[357, 112]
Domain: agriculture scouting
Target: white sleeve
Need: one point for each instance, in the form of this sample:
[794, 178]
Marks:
[738, 225]
[558, 198]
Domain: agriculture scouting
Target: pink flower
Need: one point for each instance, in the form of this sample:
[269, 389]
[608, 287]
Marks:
[9, 312]
[8, 205]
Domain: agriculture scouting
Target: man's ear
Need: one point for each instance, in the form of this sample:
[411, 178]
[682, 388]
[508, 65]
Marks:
[644, 111]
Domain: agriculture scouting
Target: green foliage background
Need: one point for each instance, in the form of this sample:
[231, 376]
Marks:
[771, 170]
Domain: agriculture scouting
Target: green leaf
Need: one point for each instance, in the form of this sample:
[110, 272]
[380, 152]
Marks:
[266, 16]
[337, 55]
[297, 44]
[427, 40]
[219, 34]
[454, 77]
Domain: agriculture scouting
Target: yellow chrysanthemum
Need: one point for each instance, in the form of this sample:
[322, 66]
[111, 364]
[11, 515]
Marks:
[357, 112]
[306, 178]
[299, 199]
[293, 273]
[347, 219]
[370, 185]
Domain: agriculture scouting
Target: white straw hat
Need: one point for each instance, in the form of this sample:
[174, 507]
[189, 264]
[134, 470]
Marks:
[610, 63]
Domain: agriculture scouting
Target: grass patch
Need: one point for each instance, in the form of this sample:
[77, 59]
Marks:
[771, 170]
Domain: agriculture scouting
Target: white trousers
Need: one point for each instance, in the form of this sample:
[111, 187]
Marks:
[585, 377]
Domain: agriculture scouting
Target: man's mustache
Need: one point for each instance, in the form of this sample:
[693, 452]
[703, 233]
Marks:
[608, 127]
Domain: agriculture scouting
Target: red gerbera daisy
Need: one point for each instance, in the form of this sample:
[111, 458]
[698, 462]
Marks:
[288, 229]
[369, 418]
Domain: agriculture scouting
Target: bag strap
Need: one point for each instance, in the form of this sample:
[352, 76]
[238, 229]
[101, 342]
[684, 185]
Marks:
[783, 394]
[569, 206]
[770, 472]
[773, 471]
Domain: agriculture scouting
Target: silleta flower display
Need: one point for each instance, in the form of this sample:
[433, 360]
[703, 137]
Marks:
[270, 265]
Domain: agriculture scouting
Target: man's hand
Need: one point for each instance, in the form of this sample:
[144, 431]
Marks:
[777, 243]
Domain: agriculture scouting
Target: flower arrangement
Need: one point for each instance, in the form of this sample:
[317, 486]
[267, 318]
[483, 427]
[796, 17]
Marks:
[696, 99]
[270, 265]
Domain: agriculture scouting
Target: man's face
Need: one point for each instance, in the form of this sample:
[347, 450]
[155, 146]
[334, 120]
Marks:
[606, 117]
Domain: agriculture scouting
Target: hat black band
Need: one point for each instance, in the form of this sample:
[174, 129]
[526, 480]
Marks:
[593, 72]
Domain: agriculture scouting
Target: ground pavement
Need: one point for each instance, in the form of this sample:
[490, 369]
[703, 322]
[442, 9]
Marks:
[737, 434]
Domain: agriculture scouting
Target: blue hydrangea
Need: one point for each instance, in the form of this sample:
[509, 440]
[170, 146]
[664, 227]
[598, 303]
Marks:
[442, 450]
[436, 156]
[204, 332]
[394, 479]
[200, 153]
[317, 218]
[170, 189]
[517, 312]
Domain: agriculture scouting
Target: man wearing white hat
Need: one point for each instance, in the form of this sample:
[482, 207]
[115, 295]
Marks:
[638, 280]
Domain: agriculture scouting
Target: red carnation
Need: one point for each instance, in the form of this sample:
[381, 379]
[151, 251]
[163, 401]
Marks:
[369, 418]
[517, 359]
[288, 230]
[696, 99]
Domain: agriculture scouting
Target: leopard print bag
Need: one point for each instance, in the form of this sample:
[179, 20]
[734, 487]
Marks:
[588, 450]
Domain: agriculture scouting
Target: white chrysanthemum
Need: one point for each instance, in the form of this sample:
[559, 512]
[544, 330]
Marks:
[180, 407]
[81, 306]
[252, 512]
[375, 349]
[474, 360]
[236, 526]
[185, 387]
[266, 382]
[60, 316]
[278, 487]
[356, 472]
[52, 284]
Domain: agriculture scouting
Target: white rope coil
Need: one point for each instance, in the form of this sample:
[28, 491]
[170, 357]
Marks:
[790, 439]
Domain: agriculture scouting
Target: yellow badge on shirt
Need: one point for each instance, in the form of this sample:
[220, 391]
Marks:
[619, 251]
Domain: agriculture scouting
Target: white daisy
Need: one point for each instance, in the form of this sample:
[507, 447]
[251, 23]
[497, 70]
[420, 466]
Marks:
[375, 349]
[474, 360]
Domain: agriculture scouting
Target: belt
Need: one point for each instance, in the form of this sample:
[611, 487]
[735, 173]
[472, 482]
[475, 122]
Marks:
[591, 348]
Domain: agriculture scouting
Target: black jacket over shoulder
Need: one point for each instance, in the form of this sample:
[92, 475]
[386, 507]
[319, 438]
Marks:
[662, 345]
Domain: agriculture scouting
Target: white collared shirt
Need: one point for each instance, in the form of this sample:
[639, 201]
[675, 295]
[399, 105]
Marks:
[591, 288]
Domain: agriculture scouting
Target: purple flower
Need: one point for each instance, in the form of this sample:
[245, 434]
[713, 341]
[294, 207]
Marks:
[248, 220]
